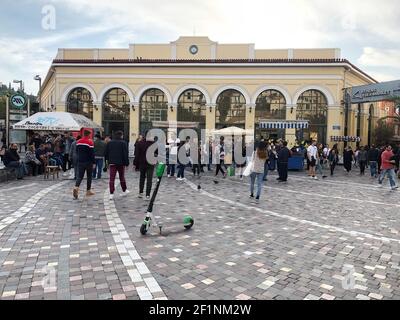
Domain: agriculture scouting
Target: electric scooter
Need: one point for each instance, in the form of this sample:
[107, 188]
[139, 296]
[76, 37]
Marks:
[150, 220]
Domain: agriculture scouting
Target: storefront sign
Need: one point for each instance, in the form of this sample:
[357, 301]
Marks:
[375, 92]
[345, 139]
[336, 127]
[284, 124]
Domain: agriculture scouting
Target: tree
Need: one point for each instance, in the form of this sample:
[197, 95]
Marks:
[383, 133]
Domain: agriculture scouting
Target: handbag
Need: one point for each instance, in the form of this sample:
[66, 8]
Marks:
[249, 167]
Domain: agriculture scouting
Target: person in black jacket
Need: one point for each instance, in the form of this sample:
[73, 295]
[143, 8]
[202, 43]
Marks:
[86, 163]
[146, 167]
[117, 156]
[373, 155]
[12, 160]
[283, 162]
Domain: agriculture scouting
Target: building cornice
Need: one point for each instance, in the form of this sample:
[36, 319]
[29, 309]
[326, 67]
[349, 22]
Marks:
[248, 63]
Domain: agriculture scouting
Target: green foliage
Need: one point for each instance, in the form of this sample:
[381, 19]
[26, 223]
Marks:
[383, 133]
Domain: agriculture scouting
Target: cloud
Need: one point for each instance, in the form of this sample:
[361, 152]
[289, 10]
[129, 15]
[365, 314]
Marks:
[351, 25]
[374, 57]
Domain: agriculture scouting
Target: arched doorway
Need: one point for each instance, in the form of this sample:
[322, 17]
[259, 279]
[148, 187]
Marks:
[312, 106]
[192, 111]
[80, 101]
[153, 108]
[270, 105]
[116, 112]
[230, 110]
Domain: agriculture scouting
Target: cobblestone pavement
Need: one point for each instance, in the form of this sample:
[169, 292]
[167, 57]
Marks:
[329, 239]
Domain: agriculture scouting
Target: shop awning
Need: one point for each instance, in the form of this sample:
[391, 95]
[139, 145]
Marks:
[283, 124]
[56, 121]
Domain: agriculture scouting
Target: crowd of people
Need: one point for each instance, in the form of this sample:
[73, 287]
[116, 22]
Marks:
[94, 157]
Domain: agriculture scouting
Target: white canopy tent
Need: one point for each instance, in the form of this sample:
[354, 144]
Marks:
[56, 121]
[232, 131]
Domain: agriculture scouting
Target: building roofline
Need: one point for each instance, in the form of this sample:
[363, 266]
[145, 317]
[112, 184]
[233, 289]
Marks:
[211, 63]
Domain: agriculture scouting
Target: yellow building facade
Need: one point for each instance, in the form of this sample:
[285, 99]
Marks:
[201, 83]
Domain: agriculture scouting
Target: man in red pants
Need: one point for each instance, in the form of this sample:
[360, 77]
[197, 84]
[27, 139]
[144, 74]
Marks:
[117, 156]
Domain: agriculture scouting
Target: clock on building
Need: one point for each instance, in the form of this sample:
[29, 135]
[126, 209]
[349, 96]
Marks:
[193, 49]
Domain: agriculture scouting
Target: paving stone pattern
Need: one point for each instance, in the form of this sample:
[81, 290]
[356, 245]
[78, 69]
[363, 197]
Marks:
[299, 242]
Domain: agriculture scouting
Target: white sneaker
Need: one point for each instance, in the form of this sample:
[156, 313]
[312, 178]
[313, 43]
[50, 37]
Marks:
[65, 174]
[124, 194]
[178, 179]
[169, 176]
[147, 198]
[316, 178]
[111, 197]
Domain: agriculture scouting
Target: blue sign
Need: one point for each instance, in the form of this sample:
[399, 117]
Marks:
[375, 92]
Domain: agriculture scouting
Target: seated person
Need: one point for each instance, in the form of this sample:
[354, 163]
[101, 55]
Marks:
[11, 159]
[32, 161]
[41, 154]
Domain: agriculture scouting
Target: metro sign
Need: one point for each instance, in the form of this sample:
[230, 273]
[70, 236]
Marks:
[18, 101]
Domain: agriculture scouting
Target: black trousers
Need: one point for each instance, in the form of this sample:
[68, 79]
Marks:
[82, 168]
[283, 168]
[362, 166]
[332, 165]
[219, 168]
[66, 163]
[35, 168]
[146, 174]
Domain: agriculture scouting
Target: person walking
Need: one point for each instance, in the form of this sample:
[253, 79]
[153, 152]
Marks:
[320, 161]
[85, 162]
[146, 168]
[387, 167]
[333, 158]
[99, 152]
[181, 165]
[67, 143]
[266, 164]
[220, 155]
[348, 157]
[373, 155]
[312, 151]
[73, 156]
[173, 156]
[116, 154]
[259, 158]
[362, 160]
[283, 162]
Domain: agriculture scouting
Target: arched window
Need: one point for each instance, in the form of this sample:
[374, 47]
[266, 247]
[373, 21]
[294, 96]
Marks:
[270, 105]
[153, 107]
[192, 107]
[80, 101]
[313, 107]
[231, 110]
[116, 112]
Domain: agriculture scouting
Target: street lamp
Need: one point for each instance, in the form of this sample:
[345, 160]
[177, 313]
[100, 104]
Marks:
[20, 84]
[38, 78]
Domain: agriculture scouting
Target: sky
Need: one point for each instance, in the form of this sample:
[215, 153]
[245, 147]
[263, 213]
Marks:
[367, 31]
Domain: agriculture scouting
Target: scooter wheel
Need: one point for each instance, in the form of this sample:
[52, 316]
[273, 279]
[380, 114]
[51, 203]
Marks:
[188, 222]
[143, 229]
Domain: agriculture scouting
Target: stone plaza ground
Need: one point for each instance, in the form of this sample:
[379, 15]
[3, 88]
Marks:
[329, 239]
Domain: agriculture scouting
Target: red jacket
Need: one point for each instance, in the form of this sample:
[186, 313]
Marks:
[386, 155]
